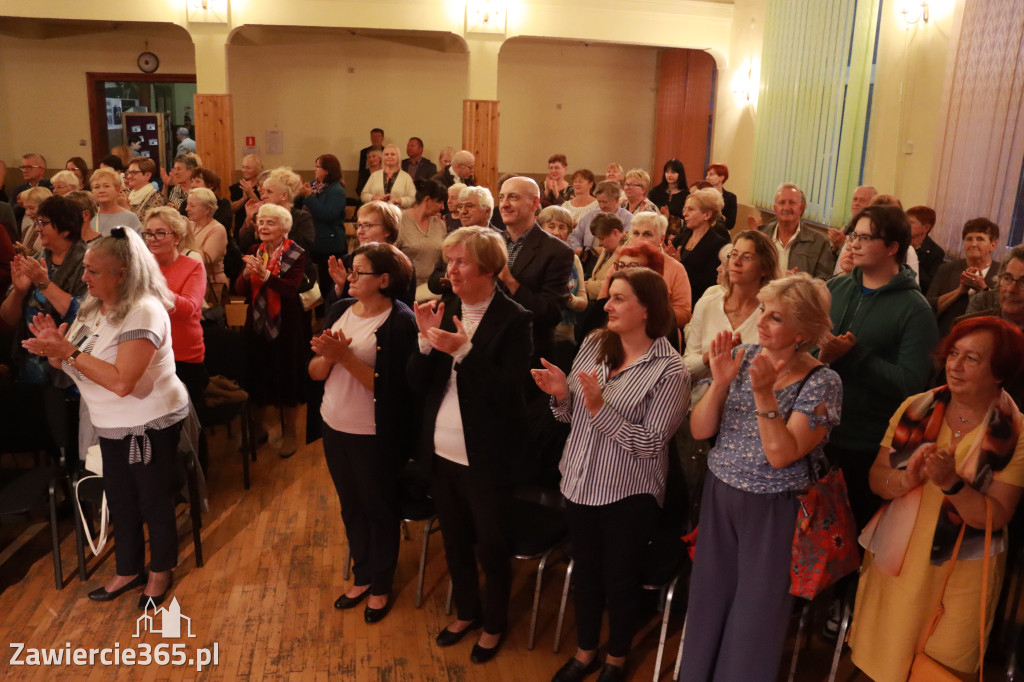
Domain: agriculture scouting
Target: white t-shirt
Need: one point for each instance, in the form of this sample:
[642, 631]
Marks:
[158, 393]
[348, 405]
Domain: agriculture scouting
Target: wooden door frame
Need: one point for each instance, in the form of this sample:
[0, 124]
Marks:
[97, 124]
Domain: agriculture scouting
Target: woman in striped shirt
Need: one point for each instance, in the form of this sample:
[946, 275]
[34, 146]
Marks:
[627, 394]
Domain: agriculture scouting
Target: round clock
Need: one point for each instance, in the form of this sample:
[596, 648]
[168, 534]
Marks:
[148, 62]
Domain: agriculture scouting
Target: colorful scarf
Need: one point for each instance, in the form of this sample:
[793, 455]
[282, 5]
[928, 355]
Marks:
[887, 535]
[266, 303]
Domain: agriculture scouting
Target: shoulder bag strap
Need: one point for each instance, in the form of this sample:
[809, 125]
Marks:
[789, 413]
[937, 611]
[984, 587]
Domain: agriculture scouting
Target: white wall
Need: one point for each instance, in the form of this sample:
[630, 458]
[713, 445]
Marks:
[594, 104]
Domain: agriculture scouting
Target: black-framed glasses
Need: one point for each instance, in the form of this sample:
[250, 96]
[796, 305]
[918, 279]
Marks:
[367, 226]
[623, 265]
[859, 238]
[1007, 280]
[356, 274]
[157, 236]
[133, 172]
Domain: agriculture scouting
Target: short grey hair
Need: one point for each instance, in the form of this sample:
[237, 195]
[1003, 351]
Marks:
[183, 132]
[1016, 253]
[481, 194]
[658, 221]
[279, 212]
[206, 196]
[791, 185]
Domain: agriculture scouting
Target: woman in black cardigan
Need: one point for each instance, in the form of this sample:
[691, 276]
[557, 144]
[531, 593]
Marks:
[473, 364]
[367, 412]
[700, 241]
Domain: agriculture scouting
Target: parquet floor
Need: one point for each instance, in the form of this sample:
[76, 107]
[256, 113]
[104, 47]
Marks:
[265, 595]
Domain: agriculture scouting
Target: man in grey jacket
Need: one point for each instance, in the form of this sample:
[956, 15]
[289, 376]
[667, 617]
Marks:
[801, 247]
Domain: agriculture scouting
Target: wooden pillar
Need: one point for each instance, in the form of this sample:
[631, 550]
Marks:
[686, 81]
[215, 136]
[480, 136]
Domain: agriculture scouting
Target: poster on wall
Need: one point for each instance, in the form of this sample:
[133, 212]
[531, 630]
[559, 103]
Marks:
[116, 108]
[144, 134]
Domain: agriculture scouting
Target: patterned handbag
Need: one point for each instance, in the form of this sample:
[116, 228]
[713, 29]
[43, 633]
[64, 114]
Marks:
[825, 538]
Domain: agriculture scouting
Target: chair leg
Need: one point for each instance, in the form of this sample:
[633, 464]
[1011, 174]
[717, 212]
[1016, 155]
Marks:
[541, 565]
[79, 534]
[196, 513]
[804, 614]
[679, 654]
[405, 529]
[448, 601]
[347, 570]
[561, 606]
[58, 568]
[844, 625]
[669, 595]
[427, 530]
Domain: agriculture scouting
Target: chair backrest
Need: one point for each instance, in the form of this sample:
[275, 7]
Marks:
[225, 353]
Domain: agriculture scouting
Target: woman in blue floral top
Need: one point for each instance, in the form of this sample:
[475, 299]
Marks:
[767, 403]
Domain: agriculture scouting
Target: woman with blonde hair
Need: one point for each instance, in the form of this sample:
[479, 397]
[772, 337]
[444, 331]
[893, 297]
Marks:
[772, 405]
[699, 240]
[390, 183]
[210, 238]
[106, 187]
[635, 185]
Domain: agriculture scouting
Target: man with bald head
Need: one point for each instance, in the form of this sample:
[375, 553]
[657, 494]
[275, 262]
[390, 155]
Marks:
[461, 170]
[539, 265]
[861, 198]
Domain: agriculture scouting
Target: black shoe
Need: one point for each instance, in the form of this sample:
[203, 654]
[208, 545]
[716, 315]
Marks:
[575, 670]
[481, 654]
[345, 602]
[611, 673]
[145, 599]
[448, 638]
[372, 615]
[101, 594]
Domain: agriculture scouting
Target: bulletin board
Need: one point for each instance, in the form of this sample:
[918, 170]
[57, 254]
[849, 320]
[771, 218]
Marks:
[151, 128]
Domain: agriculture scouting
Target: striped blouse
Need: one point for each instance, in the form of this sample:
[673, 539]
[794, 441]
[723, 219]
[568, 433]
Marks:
[623, 450]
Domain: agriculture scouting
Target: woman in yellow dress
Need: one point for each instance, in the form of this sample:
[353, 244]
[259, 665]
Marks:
[945, 452]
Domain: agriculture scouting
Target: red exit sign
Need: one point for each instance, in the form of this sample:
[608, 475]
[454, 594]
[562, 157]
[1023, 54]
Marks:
[250, 142]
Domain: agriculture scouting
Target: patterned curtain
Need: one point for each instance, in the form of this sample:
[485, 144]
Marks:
[979, 163]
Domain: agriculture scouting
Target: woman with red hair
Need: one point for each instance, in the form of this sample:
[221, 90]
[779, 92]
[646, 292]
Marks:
[717, 174]
[948, 454]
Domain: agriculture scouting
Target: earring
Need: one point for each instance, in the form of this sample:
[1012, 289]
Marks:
[797, 347]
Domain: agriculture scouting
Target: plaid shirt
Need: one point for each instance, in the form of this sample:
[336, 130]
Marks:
[514, 247]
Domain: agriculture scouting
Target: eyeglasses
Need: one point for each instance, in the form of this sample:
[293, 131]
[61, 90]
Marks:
[742, 257]
[24, 168]
[40, 222]
[632, 184]
[356, 274]
[157, 236]
[367, 226]
[860, 238]
[467, 207]
[1007, 280]
[133, 172]
[623, 265]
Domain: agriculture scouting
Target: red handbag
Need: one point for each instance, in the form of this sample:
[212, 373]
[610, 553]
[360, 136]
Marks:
[825, 538]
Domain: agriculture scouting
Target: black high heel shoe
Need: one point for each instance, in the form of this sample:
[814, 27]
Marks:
[101, 593]
[372, 615]
[346, 602]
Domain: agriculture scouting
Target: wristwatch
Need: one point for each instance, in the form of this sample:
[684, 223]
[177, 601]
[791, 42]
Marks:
[955, 488]
[42, 286]
[771, 414]
[74, 356]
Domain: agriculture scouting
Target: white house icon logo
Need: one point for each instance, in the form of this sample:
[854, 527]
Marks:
[170, 621]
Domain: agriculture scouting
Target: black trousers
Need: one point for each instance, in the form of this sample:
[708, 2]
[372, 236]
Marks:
[855, 465]
[608, 544]
[366, 479]
[142, 493]
[195, 377]
[472, 512]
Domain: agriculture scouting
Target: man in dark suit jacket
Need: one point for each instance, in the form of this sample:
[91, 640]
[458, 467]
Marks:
[461, 170]
[929, 254]
[33, 168]
[417, 166]
[376, 142]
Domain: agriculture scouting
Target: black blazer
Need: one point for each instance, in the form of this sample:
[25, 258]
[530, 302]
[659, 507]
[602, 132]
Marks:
[395, 409]
[446, 178]
[701, 263]
[491, 380]
[425, 171]
[729, 211]
[945, 280]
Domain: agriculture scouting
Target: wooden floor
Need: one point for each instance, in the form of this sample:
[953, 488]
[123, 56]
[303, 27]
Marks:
[265, 597]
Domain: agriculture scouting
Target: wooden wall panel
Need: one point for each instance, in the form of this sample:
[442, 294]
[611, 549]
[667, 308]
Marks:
[480, 121]
[215, 136]
[686, 81]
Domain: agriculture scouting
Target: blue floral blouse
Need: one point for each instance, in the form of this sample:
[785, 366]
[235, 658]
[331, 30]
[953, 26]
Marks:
[738, 457]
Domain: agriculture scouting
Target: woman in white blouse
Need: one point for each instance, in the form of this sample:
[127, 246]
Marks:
[390, 183]
[210, 238]
[627, 394]
[119, 354]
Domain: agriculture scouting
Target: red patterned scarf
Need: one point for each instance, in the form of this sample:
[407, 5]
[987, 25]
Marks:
[266, 303]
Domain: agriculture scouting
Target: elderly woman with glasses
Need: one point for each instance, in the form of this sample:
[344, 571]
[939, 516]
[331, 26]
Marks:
[636, 185]
[49, 283]
[143, 197]
[167, 235]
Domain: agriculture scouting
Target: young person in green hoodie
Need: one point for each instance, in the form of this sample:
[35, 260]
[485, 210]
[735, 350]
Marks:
[881, 342]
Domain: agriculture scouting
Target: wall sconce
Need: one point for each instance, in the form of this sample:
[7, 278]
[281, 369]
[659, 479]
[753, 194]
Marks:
[745, 85]
[913, 12]
[486, 16]
[207, 11]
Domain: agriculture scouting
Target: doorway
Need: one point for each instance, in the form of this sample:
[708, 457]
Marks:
[111, 95]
